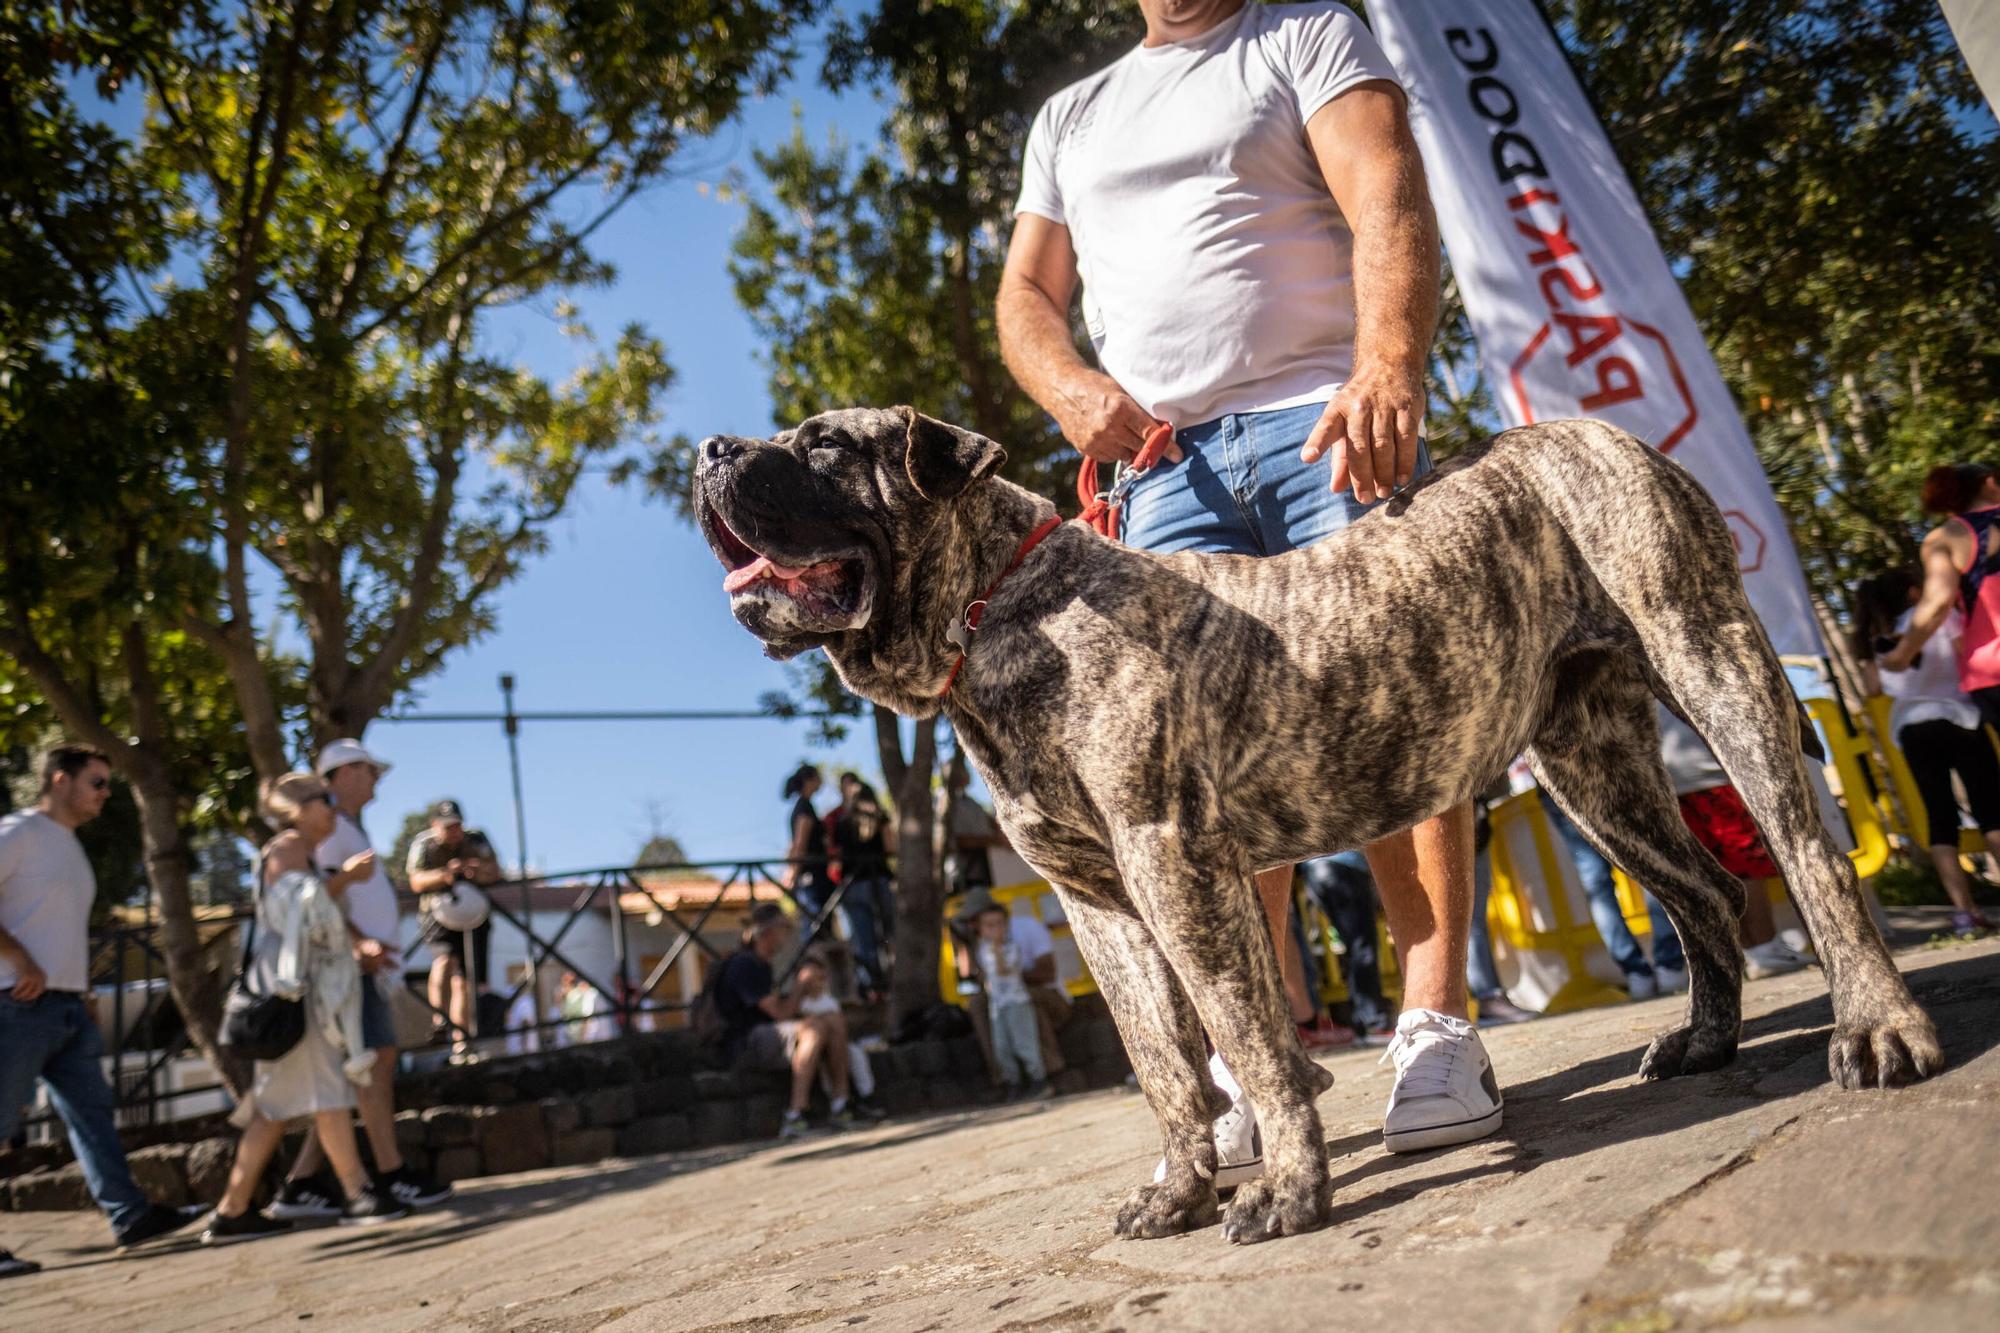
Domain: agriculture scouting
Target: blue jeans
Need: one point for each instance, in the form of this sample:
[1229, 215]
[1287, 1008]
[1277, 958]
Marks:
[1345, 891]
[1482, 974]
[866, 903]
[53, 1039]
[1240, 489]
[1602, 892]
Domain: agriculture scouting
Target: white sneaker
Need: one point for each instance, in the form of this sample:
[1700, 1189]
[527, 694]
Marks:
[1239, 1143]
[1670, 980]
[1641, 985]
[1772, 958]
[1445, 1090]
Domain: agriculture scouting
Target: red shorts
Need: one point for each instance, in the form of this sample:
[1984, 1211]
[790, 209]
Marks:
[1722, 824]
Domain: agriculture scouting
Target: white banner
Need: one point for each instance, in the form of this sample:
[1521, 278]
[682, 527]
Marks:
[1574, 306]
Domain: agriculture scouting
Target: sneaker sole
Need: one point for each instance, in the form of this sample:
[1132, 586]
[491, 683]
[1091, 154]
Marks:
[374, 1221]
[213, 1241]
[423, 1200]
[299, 1212]
[1443, 1136]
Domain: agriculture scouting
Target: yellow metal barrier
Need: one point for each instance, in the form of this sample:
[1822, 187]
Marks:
[1533, 911]
[1039, 899]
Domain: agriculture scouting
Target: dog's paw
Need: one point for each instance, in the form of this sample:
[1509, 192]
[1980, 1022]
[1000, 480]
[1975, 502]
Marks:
[1885, 1053]
[1167, 1208]
[1265, 1210]
[1688, 1050]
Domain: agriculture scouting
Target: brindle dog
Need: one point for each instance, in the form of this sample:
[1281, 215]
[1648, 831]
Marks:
[1157, 728]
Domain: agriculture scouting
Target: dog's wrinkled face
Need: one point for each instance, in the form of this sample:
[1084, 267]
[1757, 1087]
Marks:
[811, 523]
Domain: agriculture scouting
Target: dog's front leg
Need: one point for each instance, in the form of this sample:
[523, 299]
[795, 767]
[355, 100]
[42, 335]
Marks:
[1164, 1042]
[1209, 923]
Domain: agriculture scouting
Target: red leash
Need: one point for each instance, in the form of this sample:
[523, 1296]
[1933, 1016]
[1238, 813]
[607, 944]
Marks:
[968, 625]
[1100, 511]
[1101, 508]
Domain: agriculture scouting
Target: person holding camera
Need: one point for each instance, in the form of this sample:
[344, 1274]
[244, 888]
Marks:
[448, 866]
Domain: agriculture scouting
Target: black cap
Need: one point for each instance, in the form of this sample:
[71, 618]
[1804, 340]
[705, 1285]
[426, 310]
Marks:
[447, 811]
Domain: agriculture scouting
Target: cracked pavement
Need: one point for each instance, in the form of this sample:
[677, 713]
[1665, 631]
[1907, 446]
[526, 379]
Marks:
[1759, 1196]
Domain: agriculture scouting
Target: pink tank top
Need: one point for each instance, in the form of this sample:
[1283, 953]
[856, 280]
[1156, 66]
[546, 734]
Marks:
[1979, 599]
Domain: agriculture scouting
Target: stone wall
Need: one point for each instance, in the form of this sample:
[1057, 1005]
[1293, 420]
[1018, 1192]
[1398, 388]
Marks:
[627, 1098]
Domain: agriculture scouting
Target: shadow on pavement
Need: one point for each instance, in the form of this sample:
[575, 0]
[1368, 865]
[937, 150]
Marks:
[1601, 1102]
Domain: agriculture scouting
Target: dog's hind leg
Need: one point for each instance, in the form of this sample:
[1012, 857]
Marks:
[1731, 688]
[1164, 1041]
[1597, 754]
[1208, 923]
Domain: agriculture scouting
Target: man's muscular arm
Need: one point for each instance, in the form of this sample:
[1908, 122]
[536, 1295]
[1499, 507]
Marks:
[1370, 160]
[1095, 415]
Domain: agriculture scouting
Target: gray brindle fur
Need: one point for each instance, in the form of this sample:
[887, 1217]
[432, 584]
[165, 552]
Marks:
[1157, 728]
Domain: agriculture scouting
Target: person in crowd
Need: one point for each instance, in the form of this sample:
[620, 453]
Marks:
[47, 1029]
[588, 1009]
[290, 956]
[1017, 1047]
[969, 834]
[1936, 726]
[817, 1000]
[764, 1030]
[350, 774]
[1038, 972]
[1721, 822]
[1482, 974]
[1959, 556]
[1261, 155]
[1345, 891]
[1663, 974]
[805, 872]
[524, 1032]
[1300, 975]
[860, 834]
[441, 857]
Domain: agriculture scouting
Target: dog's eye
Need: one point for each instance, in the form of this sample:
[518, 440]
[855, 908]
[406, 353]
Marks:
[833, 442]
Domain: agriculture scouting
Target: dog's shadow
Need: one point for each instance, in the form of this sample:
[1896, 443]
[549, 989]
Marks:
[1602, 1102]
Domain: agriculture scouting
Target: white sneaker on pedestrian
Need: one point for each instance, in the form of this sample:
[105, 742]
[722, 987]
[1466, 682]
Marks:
[1239, 1143]
[1670, 980]
[1445, 1090]
[1772, 958]
[1641, 985]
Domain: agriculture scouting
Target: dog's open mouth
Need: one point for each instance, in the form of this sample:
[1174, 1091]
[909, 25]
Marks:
[812, 594]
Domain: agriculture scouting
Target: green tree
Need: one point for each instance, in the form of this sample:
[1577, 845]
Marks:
[241, 350]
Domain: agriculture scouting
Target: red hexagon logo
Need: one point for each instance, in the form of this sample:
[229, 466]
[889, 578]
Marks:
[1749, 540]
[1518, 382]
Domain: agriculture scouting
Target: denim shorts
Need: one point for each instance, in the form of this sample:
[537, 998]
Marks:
[378, 1025]
[1240, 489]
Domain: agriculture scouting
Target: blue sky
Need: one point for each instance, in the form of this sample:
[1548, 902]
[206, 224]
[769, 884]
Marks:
[626, 610]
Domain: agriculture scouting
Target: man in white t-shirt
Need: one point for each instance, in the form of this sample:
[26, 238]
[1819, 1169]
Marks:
[48, 1024]
[1245, 208]
[351, 773]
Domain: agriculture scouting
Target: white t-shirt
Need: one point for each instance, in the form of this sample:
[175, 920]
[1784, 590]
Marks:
[1690, 763]
[1000, 965]
[370, 903]
[1929, 690]
[46, 888]
[1032, 938]
[1217, 270]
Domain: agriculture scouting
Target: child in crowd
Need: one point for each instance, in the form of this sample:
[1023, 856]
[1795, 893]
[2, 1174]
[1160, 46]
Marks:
[1016, 1045]
[815, 998]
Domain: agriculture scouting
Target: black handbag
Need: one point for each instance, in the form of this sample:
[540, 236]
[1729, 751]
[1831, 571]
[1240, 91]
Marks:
[258, 1027]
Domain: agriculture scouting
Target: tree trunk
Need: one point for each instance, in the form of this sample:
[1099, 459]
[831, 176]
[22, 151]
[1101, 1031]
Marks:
[196, 987]
[913, 986]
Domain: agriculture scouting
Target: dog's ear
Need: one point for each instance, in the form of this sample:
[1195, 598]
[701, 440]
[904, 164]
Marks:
[943, 460]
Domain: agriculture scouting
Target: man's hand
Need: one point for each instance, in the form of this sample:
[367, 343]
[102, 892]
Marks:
[30, 982]
[1371, 429]
[358, 866]
[1103, 421]
[372, 954]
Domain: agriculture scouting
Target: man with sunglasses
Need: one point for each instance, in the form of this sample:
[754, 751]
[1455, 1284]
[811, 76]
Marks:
[47, 1031]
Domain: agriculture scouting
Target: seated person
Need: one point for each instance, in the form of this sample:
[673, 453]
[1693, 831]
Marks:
[816, 1000]
[764, 1030]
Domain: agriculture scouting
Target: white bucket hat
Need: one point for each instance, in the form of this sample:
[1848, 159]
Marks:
[346, 751]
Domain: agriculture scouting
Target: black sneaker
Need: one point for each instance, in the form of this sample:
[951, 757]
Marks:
[412, 1188]
[368, 1207]
[157, 1222]
[12, 1267]
[251, 1225]
[306, 1199]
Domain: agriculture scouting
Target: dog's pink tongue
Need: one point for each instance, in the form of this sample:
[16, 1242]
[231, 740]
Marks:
[763, 567]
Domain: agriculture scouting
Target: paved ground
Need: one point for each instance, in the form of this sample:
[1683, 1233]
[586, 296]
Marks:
[1758, 1196]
